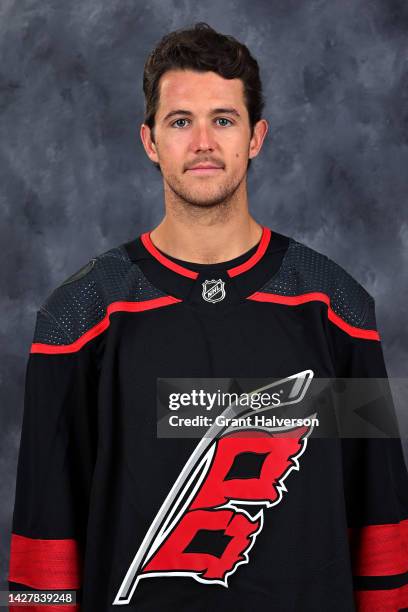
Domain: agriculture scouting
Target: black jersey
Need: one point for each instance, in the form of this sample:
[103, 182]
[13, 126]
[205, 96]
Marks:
[280, 520]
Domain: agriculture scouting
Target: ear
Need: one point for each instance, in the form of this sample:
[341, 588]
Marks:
[149, 145]
[255, 144]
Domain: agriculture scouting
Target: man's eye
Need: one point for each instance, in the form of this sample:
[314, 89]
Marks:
[224, 119]
[177, 121]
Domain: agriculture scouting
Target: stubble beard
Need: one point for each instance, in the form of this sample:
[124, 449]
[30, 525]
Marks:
[218, 198]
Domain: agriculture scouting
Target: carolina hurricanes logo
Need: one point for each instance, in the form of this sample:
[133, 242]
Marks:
[213, 290]
[215, 510]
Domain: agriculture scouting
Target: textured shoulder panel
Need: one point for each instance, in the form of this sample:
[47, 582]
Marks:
[81, 301]
[305, 270]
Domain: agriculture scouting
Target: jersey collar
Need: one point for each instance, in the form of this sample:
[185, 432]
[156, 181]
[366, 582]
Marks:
[246, 275]
[184, 271]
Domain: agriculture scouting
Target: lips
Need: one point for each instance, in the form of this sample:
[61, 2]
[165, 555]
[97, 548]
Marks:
[204, 169]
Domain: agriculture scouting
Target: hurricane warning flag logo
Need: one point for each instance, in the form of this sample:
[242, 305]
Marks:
[214, 512]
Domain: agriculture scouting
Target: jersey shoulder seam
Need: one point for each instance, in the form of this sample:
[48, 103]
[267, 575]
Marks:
[305, 270]
[81, 302]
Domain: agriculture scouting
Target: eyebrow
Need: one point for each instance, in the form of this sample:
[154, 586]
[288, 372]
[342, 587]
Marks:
[214, 111]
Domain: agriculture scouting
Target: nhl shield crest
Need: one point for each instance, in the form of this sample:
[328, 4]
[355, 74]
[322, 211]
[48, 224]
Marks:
[213, 290]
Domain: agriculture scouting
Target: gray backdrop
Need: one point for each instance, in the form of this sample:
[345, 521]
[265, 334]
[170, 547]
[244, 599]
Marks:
[75, 179]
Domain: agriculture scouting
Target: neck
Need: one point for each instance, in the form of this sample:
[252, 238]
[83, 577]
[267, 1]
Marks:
[206, 234]
[206, 243]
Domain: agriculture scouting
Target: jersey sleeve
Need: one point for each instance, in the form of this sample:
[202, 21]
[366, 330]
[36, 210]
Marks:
[55, 462]
[375, 483]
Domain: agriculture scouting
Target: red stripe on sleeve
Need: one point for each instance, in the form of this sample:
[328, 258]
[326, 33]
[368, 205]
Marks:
[379, 550]
[390, 600]
[96, 330]
[45, 564]
[316, 296]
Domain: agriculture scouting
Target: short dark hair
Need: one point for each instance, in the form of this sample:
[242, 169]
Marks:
[202, 49]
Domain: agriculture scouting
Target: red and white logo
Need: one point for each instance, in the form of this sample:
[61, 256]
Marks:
[214, 512]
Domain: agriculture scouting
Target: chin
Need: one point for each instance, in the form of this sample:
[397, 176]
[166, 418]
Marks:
[205, 201]
[203, 193]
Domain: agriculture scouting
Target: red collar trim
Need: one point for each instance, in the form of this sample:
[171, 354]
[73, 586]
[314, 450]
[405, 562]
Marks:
[247, 265]
[148, 244]
[259, 253]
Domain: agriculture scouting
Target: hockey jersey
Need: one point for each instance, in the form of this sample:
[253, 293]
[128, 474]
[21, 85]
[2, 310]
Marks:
[277, 520]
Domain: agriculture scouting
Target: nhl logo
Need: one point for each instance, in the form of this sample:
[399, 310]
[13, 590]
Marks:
[213, 290]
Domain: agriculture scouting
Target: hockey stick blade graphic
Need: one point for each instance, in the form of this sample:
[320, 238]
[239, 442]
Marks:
[182, 494]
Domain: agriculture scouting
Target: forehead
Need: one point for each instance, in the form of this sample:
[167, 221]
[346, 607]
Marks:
[185, 88]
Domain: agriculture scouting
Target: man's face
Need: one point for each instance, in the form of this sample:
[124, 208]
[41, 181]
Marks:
[202, 120]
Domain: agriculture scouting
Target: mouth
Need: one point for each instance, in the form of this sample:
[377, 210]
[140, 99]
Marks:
[204, 171]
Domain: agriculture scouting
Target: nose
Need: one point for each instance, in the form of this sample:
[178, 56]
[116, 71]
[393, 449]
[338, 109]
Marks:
[202, 138]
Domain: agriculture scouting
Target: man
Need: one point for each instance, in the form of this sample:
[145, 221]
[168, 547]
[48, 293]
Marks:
[272, 517]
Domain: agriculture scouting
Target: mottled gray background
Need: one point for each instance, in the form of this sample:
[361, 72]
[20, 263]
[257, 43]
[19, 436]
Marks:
[75, 180]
